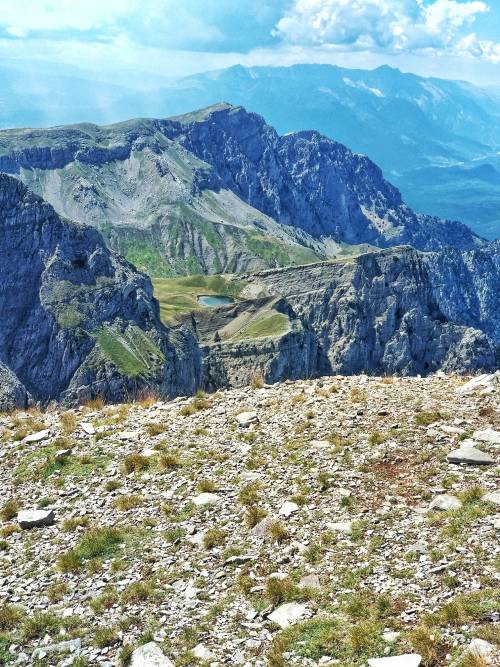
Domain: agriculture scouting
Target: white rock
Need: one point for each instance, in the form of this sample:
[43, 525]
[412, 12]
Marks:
[482, 648]
[35, 518]
[87, 428]
[287, 614]
[447, 428]
[445, 503]
[128, 435]
[201, 652]
[470, 455]
[206, 499]
[310, 581]
[70, 646]
[390, 636]
[340, 526]
[406, 660]
[62, 454]
[481, 382]
[320, 444]
[288, 508]
[488, 435]
[262, 528]
[492, 497]
[150, 655]
[246, 419]
[38, 436]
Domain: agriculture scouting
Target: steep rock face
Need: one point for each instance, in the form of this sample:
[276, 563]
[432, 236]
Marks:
[217, 191]
[291, 356]
[77, 320]
[397, 311]
[306, 180]
[12, 393]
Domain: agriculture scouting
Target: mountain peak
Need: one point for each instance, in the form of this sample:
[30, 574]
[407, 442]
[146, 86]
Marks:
[201, 115]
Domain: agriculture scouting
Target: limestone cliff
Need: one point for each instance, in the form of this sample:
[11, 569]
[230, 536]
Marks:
[399, 311]
[77, 320]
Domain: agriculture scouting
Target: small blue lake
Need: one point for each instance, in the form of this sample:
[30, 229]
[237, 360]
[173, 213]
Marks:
[214, 301]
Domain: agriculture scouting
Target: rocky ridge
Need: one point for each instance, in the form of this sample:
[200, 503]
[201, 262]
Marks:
[218, 191]
[88, 324]
[77, 320]
[396, 311]
[302, 524]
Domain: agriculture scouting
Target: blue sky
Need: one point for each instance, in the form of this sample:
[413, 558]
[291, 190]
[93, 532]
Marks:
[141, 41]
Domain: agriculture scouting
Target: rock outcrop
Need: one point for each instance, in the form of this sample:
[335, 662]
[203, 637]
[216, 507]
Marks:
[218, 191]
[77, 320]
[12, 393]
[396, 311]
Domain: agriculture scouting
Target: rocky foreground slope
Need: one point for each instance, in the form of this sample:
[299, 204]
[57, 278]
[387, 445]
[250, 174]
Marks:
[218, 191]
[77, 319]
[340, 521]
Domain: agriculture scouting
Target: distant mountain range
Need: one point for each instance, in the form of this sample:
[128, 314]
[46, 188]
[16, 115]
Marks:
[219, 190]
[437, 140]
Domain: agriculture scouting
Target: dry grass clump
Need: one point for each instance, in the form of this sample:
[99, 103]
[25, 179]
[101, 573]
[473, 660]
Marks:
[96, 403]
[74, 522]
[249, 494]
[136, 463]
[10, 617]
[426, 418]
[156, 428]
[206, 486]
[215, 537]
[10, 509]
[257, 381]
[359, 395]
[125, 503]
[169, 460]
[254, 515]
[278, 532]
[69, 422]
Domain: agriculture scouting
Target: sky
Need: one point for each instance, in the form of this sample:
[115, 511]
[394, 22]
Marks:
[138, 42]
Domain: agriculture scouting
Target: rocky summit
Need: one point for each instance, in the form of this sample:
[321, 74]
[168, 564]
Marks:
[304, 524]
[219, 190]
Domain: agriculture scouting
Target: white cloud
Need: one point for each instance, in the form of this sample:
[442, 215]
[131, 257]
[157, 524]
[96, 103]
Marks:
[24, 16]
[393, 26]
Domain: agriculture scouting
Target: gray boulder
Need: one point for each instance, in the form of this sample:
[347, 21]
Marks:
[470, 456]
[150, 655]
[35, 518]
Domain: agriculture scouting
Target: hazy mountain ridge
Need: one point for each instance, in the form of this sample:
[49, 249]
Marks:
[404, 122]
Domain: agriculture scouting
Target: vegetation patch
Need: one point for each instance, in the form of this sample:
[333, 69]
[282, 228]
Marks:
[95, 543]
[180, 295]
[271, 326]
[350, 644]
[131, 351]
